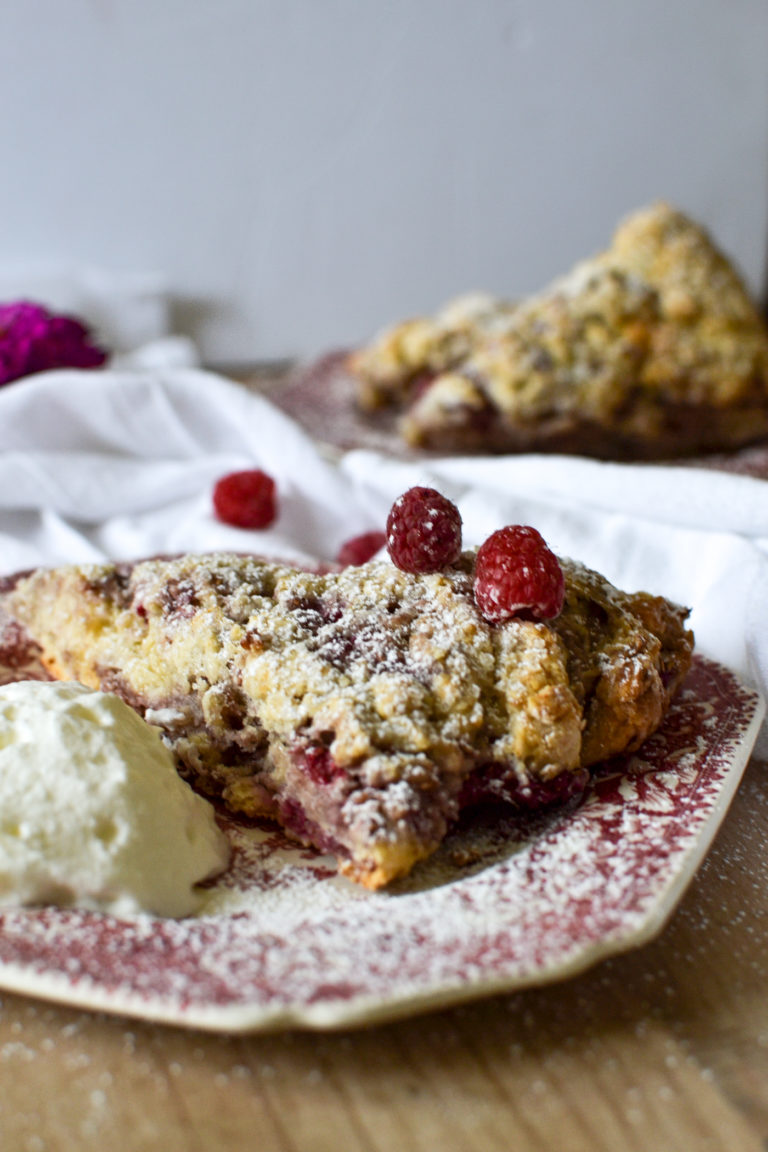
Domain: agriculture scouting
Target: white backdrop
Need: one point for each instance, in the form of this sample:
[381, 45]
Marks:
[298, 172]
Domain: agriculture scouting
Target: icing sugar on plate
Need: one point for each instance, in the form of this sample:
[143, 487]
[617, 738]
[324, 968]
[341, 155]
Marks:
[508, 901]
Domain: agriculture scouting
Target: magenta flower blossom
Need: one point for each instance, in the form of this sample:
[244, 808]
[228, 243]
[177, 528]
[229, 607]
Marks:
[32, 339]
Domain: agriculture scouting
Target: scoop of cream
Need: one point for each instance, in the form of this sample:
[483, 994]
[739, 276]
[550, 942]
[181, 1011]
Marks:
[92, 811]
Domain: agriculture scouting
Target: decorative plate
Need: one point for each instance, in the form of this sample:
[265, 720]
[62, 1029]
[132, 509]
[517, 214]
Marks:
[509, 901]
[320, 396]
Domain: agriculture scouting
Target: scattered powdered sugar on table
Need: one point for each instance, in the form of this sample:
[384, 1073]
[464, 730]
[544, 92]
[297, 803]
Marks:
[507, 901]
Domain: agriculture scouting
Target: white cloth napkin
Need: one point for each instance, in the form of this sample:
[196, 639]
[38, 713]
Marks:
[121, 464]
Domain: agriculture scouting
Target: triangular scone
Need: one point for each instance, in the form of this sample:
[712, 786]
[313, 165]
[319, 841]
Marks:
[652, 348]
[354, 707]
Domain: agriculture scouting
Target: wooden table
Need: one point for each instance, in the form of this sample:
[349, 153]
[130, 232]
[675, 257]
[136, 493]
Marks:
[664, 1049]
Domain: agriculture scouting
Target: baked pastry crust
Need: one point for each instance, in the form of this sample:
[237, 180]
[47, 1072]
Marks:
[361, 708]
[653, 348]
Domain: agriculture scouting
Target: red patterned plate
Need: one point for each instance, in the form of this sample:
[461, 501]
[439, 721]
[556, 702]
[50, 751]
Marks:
[508, 901]
[320, 396]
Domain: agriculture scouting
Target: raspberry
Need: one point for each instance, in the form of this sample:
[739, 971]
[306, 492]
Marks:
[423, 531]
[516, 574]
[245, 499]
[360, 549]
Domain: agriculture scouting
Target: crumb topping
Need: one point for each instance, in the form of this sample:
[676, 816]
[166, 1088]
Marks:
[354, 705]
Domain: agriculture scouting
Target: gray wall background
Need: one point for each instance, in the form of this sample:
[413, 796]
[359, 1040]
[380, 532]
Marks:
[300, 172]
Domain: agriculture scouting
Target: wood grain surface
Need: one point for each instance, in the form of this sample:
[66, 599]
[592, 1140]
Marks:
[663, 1049]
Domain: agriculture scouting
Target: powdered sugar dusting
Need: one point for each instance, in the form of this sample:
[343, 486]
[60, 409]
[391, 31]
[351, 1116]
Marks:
[507, 901]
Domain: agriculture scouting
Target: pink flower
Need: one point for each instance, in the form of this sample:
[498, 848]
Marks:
[33, 340]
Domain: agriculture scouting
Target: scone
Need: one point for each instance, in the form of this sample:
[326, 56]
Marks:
[361, 708]
[651, 349]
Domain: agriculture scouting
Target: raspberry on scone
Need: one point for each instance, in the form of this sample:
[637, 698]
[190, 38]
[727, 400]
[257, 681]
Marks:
[517, 574]
[423, 531]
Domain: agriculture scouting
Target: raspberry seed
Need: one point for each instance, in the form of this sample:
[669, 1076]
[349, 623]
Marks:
[423, 531]
[516, 574]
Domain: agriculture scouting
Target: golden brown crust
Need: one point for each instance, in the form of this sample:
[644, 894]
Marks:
[628, 655]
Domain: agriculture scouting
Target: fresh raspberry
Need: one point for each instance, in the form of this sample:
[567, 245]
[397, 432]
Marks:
[516, 574]
[245, 499]
[360, 549]
[423, 531]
